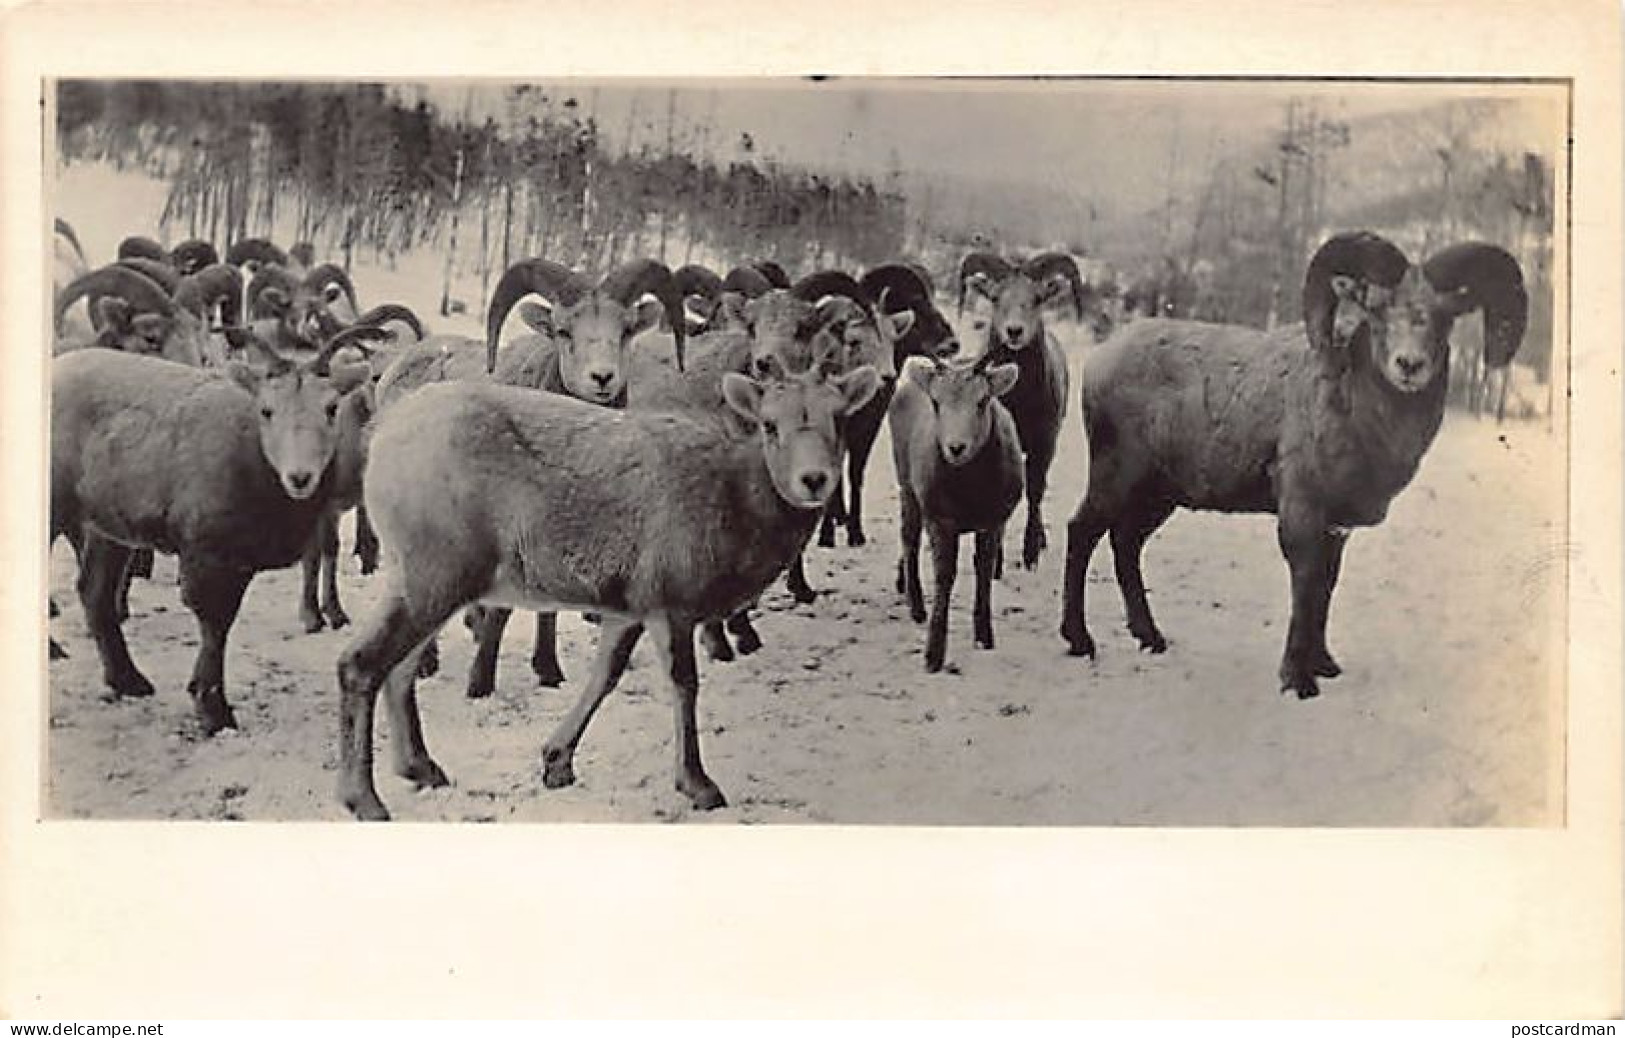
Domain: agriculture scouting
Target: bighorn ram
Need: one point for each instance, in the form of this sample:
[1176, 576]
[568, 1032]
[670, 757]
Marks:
[1017, 333]
[227, 473]
[959, 470]
[135, 315]
[1321, 424]
[656, 520]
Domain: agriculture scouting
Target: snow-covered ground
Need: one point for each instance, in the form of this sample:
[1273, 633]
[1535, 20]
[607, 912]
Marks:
[1447, 621]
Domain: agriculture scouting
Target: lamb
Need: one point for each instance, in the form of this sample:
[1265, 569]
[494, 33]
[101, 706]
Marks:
[227, 473]
[1321, 424]
[656, 520]
[1017, 333]
[959, 470]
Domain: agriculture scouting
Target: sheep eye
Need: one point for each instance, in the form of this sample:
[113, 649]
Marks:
[265, 413]
[333, 294]
[332, 411]
[771, 428]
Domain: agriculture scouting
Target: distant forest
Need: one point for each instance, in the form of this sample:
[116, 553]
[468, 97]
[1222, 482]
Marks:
[358, 166]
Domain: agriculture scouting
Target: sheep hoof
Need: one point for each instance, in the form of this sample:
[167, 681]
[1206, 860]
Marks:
[212, 710]
[702, 793]
[365, 807]
[1152, 642]
[1078, 643]
[367, 552]
[1303, 685]
[557, 769]
[984, 641]
[1326, 667]
[916, 613]
[336, 617]
[803, 594]
[934, 659]
[312, 622]
[429, 661]
[747, 641]
[131, 685]
[716, 645]
[826, 537]
[548, 675]
[424, 773]
[51, 610]
[57, 651]
[856, 539]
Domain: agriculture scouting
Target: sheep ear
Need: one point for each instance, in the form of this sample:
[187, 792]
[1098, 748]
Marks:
[1053, 286]
[743, 394]
[898, 324]
[1347, 287]
[857, 387]
[648, 314]
[244, 375]
[1002, 378]
[920, 371]
[981, 285]
[536, 317]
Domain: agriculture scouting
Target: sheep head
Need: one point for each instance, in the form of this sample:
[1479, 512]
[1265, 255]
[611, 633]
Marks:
[867, 333]
[701, 290]
[295, 407]
[962, 398]
[138, 247]
[193, 255]
[592, 328]
[1019, 294]
[896, 287]
[252, 254]
[136, 315]
[797, 419]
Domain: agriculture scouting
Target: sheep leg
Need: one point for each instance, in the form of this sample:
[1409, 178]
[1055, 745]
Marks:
[102, 568]
[674, 645]
[488, 624]
[366, 540]
[408, 752]
[1320, 658]
[122, 600]
[856, 462]
[616, 638]
[327, 530]
[908, 566]
[745, 637]
[1129, 535]
[1111, 484]
[429, 659]
[214, 594]
[310, 565]
[383, 643]
[1034, 541]
[1306, 545]
[987, 552]
[716, 641]
[796, 581]
[944, 567]
[834, 515]
[544, 653]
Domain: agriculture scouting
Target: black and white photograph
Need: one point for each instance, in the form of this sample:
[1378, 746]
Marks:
[1079, 451]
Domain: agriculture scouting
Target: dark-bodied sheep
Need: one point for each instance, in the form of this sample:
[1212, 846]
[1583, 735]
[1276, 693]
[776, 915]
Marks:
[959, 470]
[1321, 424]
[227, 473]
[656, 520]
[1017, 334]
[136, 316]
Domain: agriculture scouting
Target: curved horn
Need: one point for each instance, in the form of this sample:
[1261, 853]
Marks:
[902, 283]
[631, 281]
[552, 281]
[775, 274]
[138, 247]
[1489, 278]
[217, 283]
[385, 312]
[989, 263]
[158, 271]
[823, 283]
[269, 276]
[303, 253]
[135, 288]
[193, 255]
[1046, 265]
[748, 282]
[355, 336]
[330, 273]
[66, 230]
[260, 250]
[1367, 257]
[695, 280]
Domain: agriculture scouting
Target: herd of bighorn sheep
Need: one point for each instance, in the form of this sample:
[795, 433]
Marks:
[660, 446]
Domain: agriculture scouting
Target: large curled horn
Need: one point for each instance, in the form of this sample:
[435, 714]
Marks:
[269, 276]
[135, 288]
[386, 312]
[1489, 279]
[330, 273]
[902, 284]
[355, 336]
[139, 247]
[989, 263]
[632, 280]
[1046, 265]
[1367, 257]
[554, 282]
[217, 283]
[158, 271]
[819, 284]
[66, 230]
[775, 274]
[258, 250]
[695, 280]
[748, 282]
[193, 255]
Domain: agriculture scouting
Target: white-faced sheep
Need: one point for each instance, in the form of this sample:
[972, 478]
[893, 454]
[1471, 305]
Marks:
[1017, 334]
[227, 473]
[656, 520]
[1321, 424]
[959, 470]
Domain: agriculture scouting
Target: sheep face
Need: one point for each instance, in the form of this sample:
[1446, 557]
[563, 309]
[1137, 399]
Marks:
[962, 397]
[870, 338]
[788, 334]
[1016, 301]
[796, 418]
[593, 336]
[1406, 328]
[180, 337]
[297, 408]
